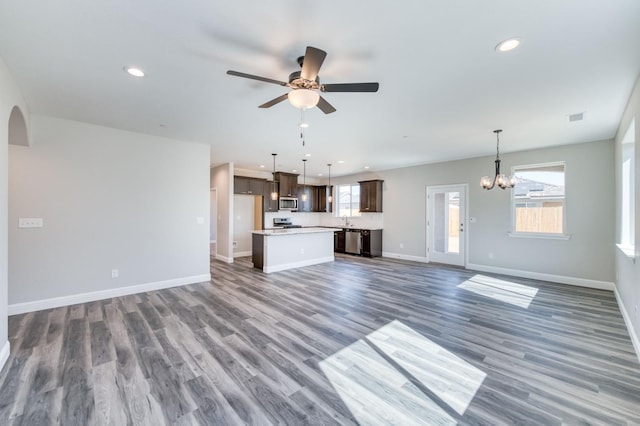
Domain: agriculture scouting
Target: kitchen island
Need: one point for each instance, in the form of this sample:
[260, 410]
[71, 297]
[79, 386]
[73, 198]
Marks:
[281, 249]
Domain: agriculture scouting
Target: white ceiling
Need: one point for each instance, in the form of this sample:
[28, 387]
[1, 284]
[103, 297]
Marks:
[443, 87]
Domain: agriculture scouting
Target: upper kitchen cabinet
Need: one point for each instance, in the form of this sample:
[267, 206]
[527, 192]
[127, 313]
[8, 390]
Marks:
[320, 202]
[269, 204]
[288, 184]
[246, 185]
[371, 196]
[308, 205]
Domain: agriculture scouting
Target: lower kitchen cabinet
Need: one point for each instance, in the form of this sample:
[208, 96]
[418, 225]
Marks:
[338, 241]
[371, 242]
[363, 242]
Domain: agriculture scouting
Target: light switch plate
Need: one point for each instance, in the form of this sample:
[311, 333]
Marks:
[30, 222]
[200, 220]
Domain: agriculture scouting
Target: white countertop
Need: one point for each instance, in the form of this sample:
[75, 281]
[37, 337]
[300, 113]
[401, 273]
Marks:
[292, 231]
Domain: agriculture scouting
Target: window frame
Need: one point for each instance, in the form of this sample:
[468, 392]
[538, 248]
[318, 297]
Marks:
[543, 235]
[358, 213]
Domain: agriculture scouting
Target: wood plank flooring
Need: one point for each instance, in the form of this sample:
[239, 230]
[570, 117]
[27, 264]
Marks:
[355, 341]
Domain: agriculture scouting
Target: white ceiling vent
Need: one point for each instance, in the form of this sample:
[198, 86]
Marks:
[576, 117]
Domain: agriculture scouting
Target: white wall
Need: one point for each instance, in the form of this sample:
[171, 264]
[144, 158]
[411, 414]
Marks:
[110, 199]
[586, 258]
[627, 268]
[222, 181]
[10, 97]
[213, 215]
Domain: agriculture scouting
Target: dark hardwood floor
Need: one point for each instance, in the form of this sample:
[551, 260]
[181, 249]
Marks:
[355, 341]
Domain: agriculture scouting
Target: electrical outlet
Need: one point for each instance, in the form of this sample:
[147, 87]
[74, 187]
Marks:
[115, 273]
[401, 245]
[30, 222]
[235, 244]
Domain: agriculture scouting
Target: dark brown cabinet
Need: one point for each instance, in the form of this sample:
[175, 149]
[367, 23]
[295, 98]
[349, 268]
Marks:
[371, 196]
[371, 242]
[269, 204]
[288, 184]
[320, 202]
[305, 205]
[339, 240]
[247, 185]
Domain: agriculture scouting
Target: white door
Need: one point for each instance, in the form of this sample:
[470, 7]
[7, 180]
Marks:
[446, 224]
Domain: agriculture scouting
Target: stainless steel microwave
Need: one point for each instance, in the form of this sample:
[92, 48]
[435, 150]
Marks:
[288, 203]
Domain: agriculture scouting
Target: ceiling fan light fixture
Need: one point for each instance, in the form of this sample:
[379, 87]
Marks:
[303, 98]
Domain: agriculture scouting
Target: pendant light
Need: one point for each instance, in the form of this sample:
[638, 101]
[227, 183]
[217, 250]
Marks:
[274, 192]
[330, 197]
[502, 180]
[304, 180]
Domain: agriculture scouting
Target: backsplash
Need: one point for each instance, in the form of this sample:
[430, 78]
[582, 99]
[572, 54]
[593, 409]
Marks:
[366, 220]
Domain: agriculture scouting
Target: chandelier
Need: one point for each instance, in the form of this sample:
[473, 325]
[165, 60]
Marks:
[502, 180]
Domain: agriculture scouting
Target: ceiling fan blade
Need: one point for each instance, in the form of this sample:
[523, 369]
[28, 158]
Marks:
[325, 106]
[256, 77]
[313, 59]
[350, 87]
[272, 102]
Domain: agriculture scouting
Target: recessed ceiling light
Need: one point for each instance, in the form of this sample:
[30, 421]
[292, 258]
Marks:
[366, 167]
[508, 44]
[319, 174]
[262, 166]
[303, 125]
[307, 155]
[294, 171]
[136, 72]
[341, 162]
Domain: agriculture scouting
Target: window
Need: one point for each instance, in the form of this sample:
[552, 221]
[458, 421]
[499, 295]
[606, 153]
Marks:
[538, 199]
[627, 207]
[348, 200]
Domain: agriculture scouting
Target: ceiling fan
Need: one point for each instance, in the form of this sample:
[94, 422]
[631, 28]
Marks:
[306, 84]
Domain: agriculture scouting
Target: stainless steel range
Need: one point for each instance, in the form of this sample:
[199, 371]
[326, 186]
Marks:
[284, 222]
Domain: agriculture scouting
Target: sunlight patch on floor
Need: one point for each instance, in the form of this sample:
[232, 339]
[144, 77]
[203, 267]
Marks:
[504, 291]
[373, 378]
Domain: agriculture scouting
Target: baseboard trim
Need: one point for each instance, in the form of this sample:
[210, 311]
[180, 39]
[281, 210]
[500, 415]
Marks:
[224, 258]
[4, 354]
[241, 254]
[38, 305]
[635, 341]
[579, 282]
[283, 267]
[404, 257]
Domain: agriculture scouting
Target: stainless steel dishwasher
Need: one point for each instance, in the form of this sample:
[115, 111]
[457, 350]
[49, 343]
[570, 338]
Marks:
[353, 241]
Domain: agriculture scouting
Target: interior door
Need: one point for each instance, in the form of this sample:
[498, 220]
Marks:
[446, 224]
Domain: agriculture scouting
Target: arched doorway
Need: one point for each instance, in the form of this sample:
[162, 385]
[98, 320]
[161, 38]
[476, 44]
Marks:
[17, 128]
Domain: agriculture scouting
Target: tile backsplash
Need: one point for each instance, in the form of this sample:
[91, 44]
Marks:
[366, 220]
